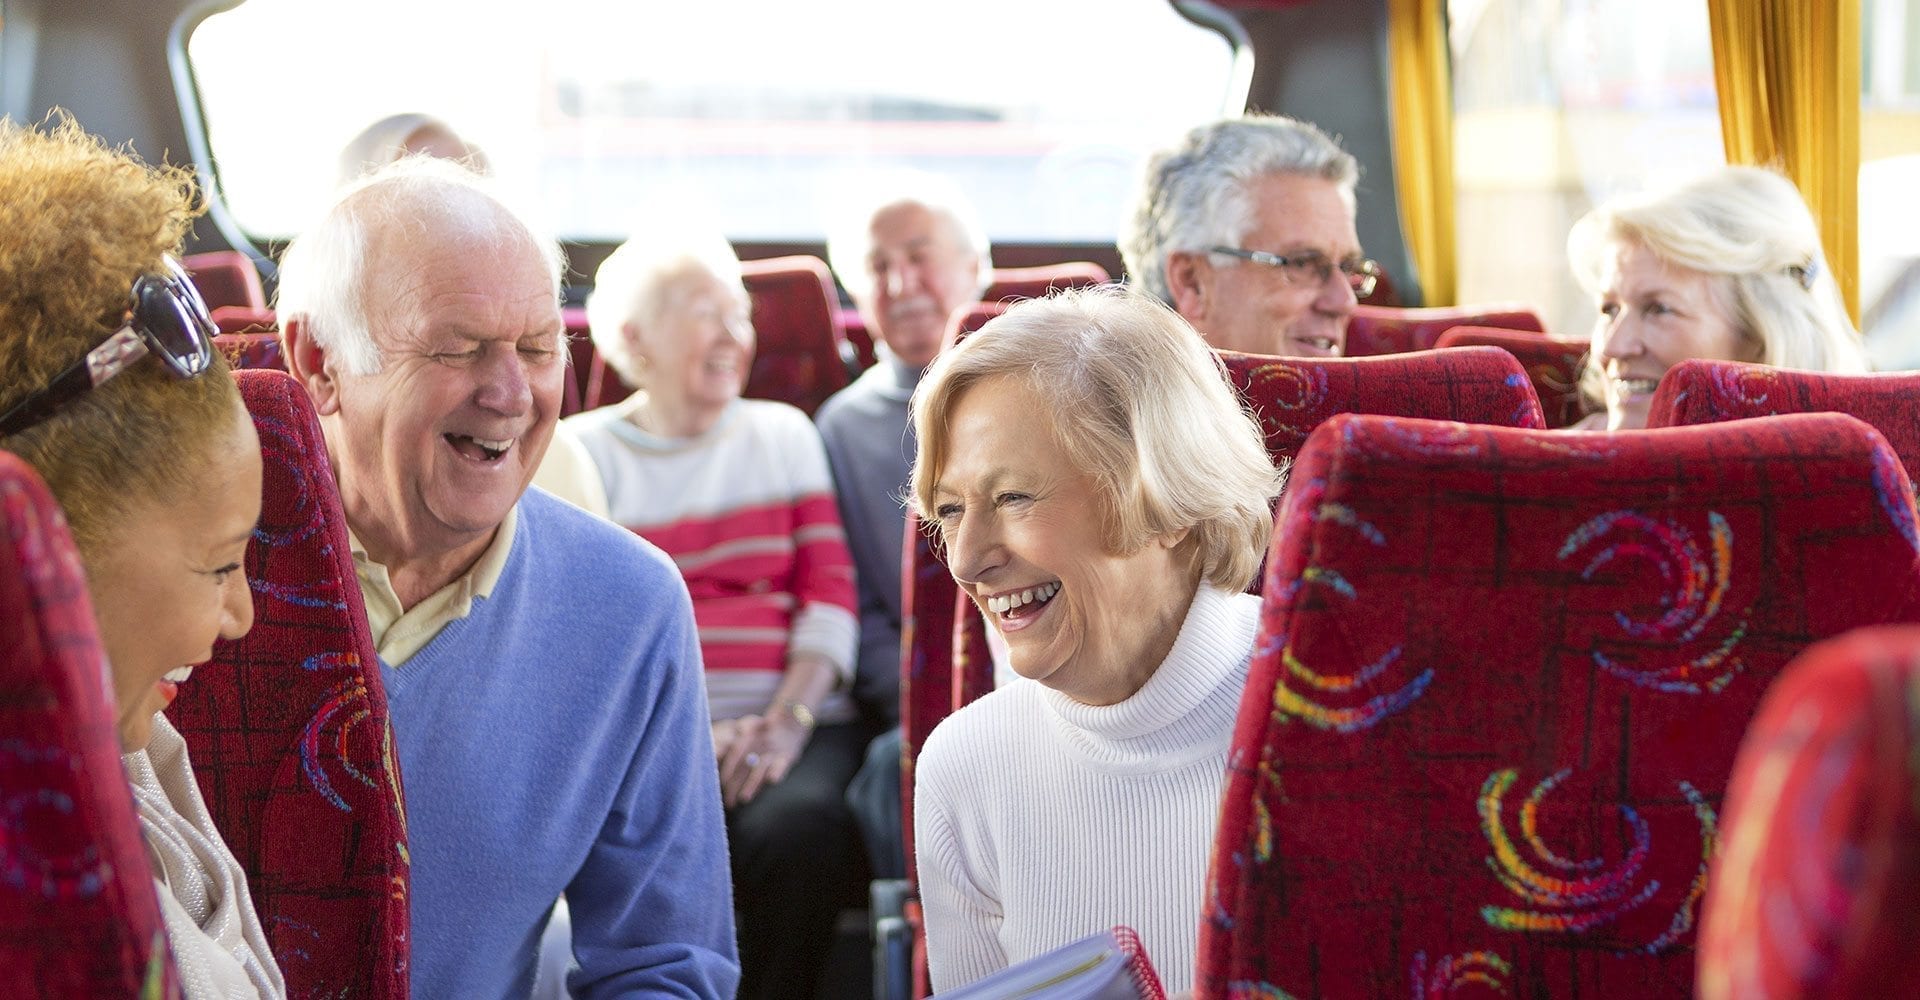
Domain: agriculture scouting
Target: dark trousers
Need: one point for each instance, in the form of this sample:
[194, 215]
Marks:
[797, 861]
[874, 797]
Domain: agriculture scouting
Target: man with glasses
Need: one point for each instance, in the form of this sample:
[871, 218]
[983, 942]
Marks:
[541, 664]
[1246, 229]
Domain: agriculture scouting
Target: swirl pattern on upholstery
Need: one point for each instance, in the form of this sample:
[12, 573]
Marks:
[289, 733]
[1813, 893]
[1708, 392]
[1553, 366]
[1531, 804]
[78, 914]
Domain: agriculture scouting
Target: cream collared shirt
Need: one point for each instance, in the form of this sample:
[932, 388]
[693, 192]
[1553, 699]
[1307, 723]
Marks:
[398, 632]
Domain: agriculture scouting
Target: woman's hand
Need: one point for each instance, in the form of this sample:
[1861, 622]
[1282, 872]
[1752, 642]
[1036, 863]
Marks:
[760, 752]
[723, 734]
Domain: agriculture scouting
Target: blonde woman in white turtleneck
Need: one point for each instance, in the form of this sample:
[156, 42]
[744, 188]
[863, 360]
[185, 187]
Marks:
[1103, 498]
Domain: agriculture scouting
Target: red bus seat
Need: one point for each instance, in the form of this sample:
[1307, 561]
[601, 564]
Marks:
[1498, 687]
[1815, 891]
[1553, 366]
[244, 319]
[1292, 396]
[1704, 392]
[797, 339]
[796, 319]
[1386, 330]
[226, 278]
[1015, 283]
[78, 913]
[289, 733]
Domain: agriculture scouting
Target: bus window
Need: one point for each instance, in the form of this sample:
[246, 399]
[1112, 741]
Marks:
[759, 113]
[1890, 182]
[1560, 104]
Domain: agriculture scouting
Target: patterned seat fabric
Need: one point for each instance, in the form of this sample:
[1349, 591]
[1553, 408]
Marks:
[1706, 392]
[1498, 686]
[78, 914]
[1553, 366]
[1813, 893]
[289, 733]
[1292, 396]
[1386, 330]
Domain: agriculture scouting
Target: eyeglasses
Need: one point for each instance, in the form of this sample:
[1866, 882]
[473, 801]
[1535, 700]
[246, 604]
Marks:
[1312, 268]
[167, 319]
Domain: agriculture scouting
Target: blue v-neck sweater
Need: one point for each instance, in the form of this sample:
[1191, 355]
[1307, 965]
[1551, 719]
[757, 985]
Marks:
[556, 740]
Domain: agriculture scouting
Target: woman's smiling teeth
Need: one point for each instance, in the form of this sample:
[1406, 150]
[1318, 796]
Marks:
[1032, 595]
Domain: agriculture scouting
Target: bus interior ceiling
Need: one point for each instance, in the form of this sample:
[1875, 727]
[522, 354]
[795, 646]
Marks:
[121, 69]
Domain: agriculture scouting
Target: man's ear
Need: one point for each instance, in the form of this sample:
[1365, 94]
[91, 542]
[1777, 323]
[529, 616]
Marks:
[309, 365]
[1189, 279]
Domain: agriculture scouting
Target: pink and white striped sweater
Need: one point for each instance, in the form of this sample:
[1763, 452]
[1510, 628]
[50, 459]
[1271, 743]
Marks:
[747, 512]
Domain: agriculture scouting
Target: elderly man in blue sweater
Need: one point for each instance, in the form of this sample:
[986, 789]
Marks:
[541, 665]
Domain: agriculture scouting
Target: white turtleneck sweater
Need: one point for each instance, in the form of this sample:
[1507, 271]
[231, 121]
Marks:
[1040, 820]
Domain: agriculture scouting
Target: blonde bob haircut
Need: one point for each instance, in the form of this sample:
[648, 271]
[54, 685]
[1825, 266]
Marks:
[79, 221]
[1140, 404]
[1748, 228]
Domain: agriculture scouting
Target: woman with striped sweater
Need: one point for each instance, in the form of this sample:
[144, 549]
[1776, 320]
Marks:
[738, 492]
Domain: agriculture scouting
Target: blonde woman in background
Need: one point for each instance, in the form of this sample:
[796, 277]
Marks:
[1727, 267]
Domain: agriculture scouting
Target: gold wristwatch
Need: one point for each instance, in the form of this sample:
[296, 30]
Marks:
[798, 710]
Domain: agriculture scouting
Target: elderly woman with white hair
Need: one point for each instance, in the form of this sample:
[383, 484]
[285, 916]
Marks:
[1104, 499]
[1727, 266]
[738, 492]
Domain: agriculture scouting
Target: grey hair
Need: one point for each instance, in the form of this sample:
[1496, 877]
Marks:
[324, 273]
[847, 247]
[628, 285]
[1749, 228]
[1140, 404]
[1194, 196]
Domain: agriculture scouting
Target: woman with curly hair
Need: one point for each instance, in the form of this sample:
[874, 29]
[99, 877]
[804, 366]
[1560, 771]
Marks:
[111, 389]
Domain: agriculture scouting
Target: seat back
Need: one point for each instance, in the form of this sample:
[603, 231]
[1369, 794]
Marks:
[1014, 283]
[1553, 366]
[796, 319]
[1705, 392]
[1498, 685]
[1814, 890]
[289, 732]
[226, 278]
[1292, 396]
[1386, 330]
[78, 913]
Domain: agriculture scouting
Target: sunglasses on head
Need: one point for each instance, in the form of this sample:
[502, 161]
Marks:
[168, 319]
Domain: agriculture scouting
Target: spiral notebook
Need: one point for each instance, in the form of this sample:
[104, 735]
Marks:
[1107, 966]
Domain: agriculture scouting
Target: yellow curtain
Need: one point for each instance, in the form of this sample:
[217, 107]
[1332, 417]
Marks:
[1788, 72]
[1423, 140]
